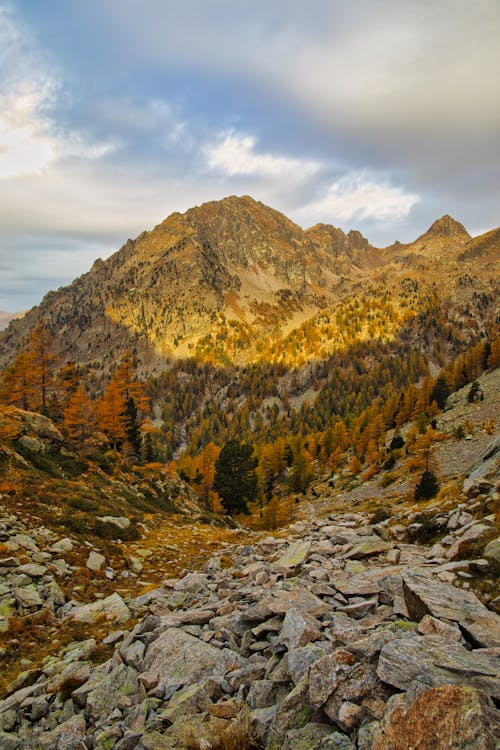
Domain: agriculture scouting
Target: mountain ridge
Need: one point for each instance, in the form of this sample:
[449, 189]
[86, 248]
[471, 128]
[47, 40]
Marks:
[233, 262]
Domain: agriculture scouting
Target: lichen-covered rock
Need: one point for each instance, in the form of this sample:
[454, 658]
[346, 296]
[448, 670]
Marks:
[492, 553]
[178, 657]
[442, 718]
[367, 547]
[9, 741]
[294, 555]
[293, 713]
[424, 595]
[121, 682]
[299, 629]
[95, 561]
[316, 737]
[433, 661]
[301, 659]
[112, 608]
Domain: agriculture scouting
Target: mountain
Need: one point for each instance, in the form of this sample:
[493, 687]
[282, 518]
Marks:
[232, 280]
[6, 317]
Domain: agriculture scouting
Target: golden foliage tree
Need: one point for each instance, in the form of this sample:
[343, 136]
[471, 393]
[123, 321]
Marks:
[111, 415]
[79, 417]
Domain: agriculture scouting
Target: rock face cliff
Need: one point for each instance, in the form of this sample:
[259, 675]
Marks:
[237, 262]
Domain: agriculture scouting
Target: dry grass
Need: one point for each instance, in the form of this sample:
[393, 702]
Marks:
[39, 635]
[237, 736]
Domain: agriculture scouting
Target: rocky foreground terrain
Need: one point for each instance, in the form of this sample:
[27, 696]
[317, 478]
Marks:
[345, 632]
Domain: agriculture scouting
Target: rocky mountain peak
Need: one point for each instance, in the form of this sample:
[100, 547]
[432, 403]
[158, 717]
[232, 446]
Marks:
[242, 231]
[447, 226]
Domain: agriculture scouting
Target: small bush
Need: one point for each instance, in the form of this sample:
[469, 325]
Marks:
[71, 466]
[111, 531]
[82, 503]
[103, 461]
[41, 461]
[380, 514]
[389, 463]
[429, 529]
[78, 523]
[238, 736]
[475, 393]
[387, 480]
[396, 442]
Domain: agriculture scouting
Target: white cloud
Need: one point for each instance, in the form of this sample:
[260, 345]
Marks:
[30, 140]
[236, 155]
[26, 146]
[356, 196]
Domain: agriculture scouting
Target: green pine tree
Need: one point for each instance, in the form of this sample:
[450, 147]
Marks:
[427, 486]
[235, 478]
[440, 392]
[132, 427]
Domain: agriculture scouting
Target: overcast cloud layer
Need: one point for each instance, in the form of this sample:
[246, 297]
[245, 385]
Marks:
[379, 115]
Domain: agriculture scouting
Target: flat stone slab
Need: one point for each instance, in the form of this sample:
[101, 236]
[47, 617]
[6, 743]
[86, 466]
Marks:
[113, 607]
[424, 595]
[280, 602]
[433, 661]
[295, 554]
[179, 657]
[371, 545]
[32, 570]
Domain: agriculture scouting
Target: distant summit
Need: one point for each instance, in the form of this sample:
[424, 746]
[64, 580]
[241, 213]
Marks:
[447, 226]
[232, 280]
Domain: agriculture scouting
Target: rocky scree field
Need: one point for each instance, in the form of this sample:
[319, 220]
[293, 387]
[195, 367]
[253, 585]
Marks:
[341, 632]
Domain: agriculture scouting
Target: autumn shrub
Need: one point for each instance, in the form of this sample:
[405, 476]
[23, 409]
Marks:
[105, 530]
[78, 523]
[82, 503]
[238, 736]
[428, 529]
[387, 480]
[369, 473]
[380, 514]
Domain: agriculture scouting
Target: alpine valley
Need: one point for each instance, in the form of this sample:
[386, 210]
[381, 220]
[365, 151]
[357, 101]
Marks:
[249, 493]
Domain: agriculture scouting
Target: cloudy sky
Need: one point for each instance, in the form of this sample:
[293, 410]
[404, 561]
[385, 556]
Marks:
[379, 115]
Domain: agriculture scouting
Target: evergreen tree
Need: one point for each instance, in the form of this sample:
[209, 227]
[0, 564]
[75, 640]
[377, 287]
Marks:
[427, 487]
[235, 478]
[475, 393]
[440, 392]
[132, 427]
[396, 442]
[148, 453]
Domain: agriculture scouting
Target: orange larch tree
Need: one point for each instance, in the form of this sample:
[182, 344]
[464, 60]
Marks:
[43, 361]
[79, 417]
[17, 387]
[112, 415]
